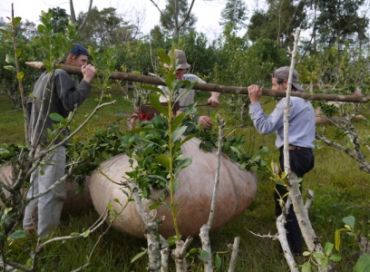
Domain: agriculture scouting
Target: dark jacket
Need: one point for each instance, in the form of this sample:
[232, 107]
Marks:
[63, 99]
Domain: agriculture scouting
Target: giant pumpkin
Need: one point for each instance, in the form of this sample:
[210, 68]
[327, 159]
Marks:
[236, 191]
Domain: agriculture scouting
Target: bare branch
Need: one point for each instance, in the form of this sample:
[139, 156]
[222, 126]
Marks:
[156, 6]
[280, 225]
[310, 197]
[204, 230]
[179, 254]
[234, 254]
[83, 24]
[187, 15]
[72, 10]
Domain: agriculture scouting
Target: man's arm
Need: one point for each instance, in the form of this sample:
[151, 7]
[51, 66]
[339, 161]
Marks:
[68, 93]
[264, 124]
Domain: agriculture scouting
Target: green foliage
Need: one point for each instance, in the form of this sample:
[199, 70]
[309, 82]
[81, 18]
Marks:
[233, 147]
[321, 260]
[278, 22]
[148, 145]
[105, 28]
[338, 20]
[9, 152]
[23, 33]
[53, 44]
[234, 14]
[337, 71]
[93, 151]
[59, 19]
[176, 11]
[363, 263]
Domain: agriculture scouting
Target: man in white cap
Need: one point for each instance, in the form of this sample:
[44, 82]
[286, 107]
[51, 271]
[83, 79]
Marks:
[301, 138]
[186, 97]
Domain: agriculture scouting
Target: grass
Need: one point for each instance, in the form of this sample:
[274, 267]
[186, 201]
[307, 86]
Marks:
[341, 189]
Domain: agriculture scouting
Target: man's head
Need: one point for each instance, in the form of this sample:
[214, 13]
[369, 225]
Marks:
[181, 63]
[280, 79]
[78, 56]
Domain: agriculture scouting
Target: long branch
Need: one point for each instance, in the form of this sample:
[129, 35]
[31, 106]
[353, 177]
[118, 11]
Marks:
[295, 195]
[210, 87]
[20, 80]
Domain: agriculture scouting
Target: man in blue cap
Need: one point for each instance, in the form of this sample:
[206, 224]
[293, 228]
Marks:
[53, 93]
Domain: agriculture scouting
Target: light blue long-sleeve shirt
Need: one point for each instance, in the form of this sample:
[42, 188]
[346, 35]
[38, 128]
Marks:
[301, 122]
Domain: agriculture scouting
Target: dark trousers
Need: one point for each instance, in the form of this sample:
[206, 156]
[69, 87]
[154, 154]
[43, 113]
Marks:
[301, 161]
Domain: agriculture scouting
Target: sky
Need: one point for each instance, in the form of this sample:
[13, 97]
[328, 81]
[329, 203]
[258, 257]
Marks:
[141, 12]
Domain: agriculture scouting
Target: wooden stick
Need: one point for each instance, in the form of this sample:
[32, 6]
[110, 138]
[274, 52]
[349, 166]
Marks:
[210, 87]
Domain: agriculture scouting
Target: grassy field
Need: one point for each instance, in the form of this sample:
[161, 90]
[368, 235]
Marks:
[341, 189]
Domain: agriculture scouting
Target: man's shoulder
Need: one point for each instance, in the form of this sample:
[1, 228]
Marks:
[61, 72]
[192, 77]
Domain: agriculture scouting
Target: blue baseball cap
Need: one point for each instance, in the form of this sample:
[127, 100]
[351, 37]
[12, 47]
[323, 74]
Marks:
[78, 49]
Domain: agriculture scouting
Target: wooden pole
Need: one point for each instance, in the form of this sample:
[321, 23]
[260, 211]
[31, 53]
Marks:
[210, 87]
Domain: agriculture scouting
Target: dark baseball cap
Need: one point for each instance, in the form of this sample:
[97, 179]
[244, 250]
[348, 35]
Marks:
[283, 73]
[78, 49]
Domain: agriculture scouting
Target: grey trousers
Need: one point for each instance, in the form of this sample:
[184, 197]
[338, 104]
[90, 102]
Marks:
[48, 207]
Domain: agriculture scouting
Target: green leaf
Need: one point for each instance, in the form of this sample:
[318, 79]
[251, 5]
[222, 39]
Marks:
[41, 28]
[335, 258]
[172, 240]
[18, 234]
[182, 162]
[203, 255]
[320, 258]
[350, 221]
[306, 253]
[4, 152]
[306, 267]
[9, 68]
[171, 82]
[56, 117]
[178, 133]
[18, 52]
[20, 76]
[164, 160]
[362, 264]
[328, 248]
[155, 205]
[164, 58]
[337, 238]
[86, 233]
[4, 30]
[138, 256]
[178, 120]
[187, 138]
[218, 262]
[16, 21]
[154, 101]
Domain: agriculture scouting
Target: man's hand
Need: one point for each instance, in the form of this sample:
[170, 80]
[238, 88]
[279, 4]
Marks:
[88, 71]
[213, 99]
[205, 121]
[254, 93]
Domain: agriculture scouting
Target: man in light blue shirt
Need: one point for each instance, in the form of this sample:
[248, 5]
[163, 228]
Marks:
[301, 138]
